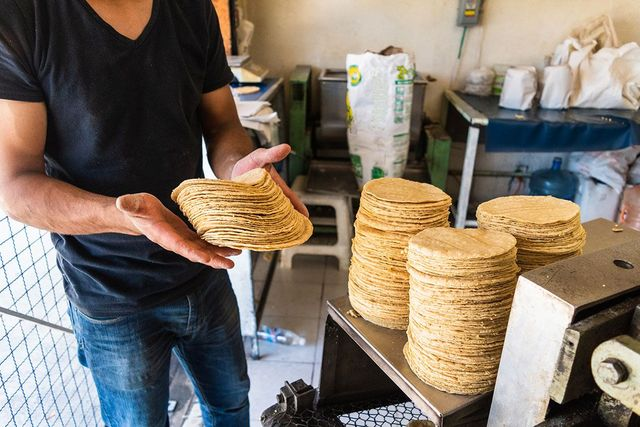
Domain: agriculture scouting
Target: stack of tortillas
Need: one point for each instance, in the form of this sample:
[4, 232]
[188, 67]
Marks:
[391, 211]
[248, 212]
[462, 284]
[547, 229]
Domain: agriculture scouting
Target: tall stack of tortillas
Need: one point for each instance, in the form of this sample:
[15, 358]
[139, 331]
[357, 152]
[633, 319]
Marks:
[461, 288]
[248, 212]
[547, 229]
[391, 211]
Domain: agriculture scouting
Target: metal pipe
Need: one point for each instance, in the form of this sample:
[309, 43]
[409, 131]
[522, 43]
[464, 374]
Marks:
[35, 320]
[496, 174]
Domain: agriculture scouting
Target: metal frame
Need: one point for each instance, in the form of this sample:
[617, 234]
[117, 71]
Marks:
[41, 381]
[475, 119]
[357, 353]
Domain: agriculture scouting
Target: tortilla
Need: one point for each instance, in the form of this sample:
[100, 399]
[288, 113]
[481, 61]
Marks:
[461, 288]
[247, 212]
[547, 229]
[391, 211]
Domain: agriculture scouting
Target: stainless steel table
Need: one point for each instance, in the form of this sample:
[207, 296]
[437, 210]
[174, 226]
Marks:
[362, 360]
[384, 347]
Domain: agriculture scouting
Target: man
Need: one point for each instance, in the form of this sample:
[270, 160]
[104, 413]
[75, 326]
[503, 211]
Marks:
[103, 105]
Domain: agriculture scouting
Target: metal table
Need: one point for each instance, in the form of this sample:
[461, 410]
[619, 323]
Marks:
[359, 356]
[384, 347]
[566, 131]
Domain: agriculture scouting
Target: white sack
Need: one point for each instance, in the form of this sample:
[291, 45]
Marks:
[563, 51]
[519, 89]
[609, 78]
[599, 30]
[379, 95]
[590, 36]
[634, 173]
[480, 81]
[609, 167]
[596, 200]
[557, 81]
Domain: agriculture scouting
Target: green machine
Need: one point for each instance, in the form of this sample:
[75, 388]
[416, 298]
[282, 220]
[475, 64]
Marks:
[299, 114]
[437, 156]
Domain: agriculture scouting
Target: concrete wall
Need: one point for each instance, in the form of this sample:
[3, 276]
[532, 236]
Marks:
[322, 32]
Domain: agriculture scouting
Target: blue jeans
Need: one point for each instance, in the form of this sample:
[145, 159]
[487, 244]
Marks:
[129, 358]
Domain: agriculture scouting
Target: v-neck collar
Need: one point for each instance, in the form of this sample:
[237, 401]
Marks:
[118, 35]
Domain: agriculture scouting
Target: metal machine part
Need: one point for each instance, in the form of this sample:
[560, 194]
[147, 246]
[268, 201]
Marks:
[559, 315]
[580, 340]
[295, 407]
[615, 365]
[298, 407]
[334, 176]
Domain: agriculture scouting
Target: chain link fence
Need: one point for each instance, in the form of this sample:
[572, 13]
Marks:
[41, 380]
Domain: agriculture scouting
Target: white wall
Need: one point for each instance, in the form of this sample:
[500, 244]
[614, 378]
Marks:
[322, 32]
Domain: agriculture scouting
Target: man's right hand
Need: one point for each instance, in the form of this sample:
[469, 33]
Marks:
[148, 216]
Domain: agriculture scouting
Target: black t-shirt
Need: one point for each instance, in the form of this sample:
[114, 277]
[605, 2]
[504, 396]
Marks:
[122, 117]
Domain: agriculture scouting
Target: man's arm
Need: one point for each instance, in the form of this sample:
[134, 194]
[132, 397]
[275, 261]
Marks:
[227, 141]
[31, 197]
[230, 150]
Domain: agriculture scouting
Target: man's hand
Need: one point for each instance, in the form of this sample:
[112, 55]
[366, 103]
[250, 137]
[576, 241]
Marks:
[148, 216]
[263, 158]
[227, 142]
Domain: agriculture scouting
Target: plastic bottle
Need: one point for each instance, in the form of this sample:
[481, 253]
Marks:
[280, 336]
[554, 182]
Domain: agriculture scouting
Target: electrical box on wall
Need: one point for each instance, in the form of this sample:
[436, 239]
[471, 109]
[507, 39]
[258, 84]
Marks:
[469, 13]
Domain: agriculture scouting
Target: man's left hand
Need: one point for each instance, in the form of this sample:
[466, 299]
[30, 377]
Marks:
[263, 158]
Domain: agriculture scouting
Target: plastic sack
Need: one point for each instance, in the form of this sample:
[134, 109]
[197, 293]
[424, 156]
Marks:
[608, 167]
[604, 75]
[634, 173]
[480, 82]
[609, 78]
[599, 30]
[519, 89]
[596, 200]
[379, 95]
[630, 207]
[590, 36]
[563, 51]
[557, 84]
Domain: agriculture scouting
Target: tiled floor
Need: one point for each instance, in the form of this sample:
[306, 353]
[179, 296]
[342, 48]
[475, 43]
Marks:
[295, 302]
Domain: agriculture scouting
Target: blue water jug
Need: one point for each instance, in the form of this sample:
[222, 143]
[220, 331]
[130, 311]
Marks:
[556, 182]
